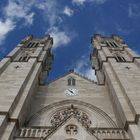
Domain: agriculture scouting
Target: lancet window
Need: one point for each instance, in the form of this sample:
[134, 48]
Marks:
[112, 44]
[71, 81]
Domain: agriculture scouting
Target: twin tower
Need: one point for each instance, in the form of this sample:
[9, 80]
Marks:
[71, 107]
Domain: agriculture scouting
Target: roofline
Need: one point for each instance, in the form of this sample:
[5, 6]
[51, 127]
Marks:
[69, 72]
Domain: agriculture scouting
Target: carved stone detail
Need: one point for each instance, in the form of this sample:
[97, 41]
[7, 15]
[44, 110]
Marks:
[71, 129]
[81, 116]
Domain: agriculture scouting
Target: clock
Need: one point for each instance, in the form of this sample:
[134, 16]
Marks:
[71, 91]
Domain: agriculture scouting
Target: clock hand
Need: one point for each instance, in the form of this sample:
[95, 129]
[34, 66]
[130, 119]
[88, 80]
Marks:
[71, 91]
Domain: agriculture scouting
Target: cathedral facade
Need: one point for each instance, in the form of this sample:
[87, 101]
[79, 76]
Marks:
[71, 107]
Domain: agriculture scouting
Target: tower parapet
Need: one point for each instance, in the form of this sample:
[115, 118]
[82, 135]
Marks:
[110, 48]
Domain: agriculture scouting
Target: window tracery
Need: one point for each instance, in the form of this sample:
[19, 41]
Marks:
[61, 116]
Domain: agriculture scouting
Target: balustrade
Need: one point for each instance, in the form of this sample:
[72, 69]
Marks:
[109, 133]
[32, 132]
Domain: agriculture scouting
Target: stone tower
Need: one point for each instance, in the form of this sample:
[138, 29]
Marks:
[21, 73]
[118, 67]
[71, 107]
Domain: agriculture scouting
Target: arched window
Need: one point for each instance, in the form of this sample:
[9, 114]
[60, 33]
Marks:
[112, 44]
[23, 57]
[119, 58]
[32, 45]
[29, 44]
[71, 81]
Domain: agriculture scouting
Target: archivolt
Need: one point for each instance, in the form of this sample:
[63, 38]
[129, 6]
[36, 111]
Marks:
[74, 102]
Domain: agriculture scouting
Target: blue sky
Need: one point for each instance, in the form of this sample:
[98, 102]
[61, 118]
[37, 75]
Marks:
[71, 23]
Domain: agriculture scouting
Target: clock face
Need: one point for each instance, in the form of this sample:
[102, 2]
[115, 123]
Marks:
[71, 91]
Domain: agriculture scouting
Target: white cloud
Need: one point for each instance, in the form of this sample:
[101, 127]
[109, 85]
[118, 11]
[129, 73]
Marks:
[61, 38]
[67, 11]
[5, 27]
[90, 74]
[83, 67]
[51, 12]
[133, 10]
[12, 13]
[99, 1]
[29, 19]
[16, 10]
[81, 2]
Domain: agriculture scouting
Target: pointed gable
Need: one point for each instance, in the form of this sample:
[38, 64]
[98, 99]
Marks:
[71, 130]
[72, 73]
